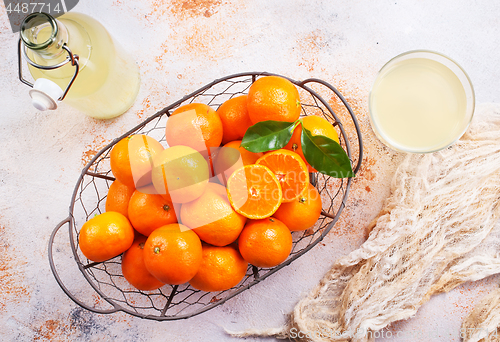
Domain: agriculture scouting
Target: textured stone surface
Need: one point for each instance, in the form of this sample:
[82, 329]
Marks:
[180, 46]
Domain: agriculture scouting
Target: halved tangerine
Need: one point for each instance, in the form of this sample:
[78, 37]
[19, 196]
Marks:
[254, 191]
[290, 171]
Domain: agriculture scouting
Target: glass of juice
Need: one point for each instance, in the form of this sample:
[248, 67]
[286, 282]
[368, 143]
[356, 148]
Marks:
[421, 102]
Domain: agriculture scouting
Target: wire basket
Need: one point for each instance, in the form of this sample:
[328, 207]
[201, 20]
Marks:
[182, 301]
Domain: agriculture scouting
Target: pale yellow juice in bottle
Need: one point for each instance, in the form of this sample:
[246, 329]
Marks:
[108, 80]
[419, 105]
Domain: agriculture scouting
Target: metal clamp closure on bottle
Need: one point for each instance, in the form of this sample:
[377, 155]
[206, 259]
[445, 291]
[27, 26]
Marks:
[73, 58]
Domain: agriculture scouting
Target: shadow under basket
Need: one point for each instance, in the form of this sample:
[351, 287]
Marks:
[112, 293]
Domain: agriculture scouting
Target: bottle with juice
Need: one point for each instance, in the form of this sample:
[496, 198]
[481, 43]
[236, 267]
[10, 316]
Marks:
[107, 79]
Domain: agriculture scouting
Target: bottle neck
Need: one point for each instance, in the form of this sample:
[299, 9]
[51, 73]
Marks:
[44, 35]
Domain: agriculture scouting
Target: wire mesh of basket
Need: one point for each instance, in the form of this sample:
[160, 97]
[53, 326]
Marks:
[183, 301]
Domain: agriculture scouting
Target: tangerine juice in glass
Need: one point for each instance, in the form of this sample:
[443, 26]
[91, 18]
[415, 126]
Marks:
[421, 102]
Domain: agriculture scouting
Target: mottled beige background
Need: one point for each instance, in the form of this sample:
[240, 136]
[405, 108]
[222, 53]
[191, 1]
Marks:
[180, 46]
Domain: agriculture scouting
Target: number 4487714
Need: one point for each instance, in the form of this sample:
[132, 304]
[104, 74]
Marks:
[32, 8]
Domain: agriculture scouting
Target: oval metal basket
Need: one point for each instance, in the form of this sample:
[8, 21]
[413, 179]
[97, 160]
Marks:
[183, 301]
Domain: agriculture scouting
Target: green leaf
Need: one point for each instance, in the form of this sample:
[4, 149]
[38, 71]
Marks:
[268, 135]
[325, 155]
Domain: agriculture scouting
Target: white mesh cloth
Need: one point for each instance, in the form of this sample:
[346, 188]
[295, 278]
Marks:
[437, 230]
[483, 323]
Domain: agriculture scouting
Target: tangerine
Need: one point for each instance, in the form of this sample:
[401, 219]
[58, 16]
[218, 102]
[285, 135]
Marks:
[231, 157]
[290, 171]
[132, 157]
[148, 212]
[317, 125]
[233, 114]
[303, 212]
[195, 125]
[173, 254]
[273, 98]
[212, 217]
[221, 269]
[181, 173]
[265, 243]
[105, 236]
[134, 269]
[118, 197]
[254, 191]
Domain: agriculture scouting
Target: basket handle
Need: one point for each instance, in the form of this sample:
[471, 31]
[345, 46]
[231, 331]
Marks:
[351, 112]
[58, 279]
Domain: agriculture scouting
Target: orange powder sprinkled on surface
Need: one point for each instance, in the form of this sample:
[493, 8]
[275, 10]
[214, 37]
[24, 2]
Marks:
[155, 101]
[311, 44]
[197, 34]
[471, 293]
[3, 13]
[146, 104]
[88, 155]
[183, 8]
[204, 8]
[11, 278]
[52, 330]
[366, 171]
[202, 41]
[92, 149]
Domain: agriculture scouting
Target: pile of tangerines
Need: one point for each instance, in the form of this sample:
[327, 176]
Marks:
[202, 209]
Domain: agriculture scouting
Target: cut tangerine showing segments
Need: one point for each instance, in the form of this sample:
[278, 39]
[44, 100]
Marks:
[254, 191]
[290, 171]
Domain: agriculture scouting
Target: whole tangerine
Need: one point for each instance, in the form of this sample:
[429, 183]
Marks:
[317, 125]
[181, 172]
[212, 218]
[265, 243]
[196, 125]
[173, 254]
[134, 269]
[148, 212]
[221, 269]
[303, 212]
[131, 159]
[105, 236]
[234, 116]
[118, 197]
[273, 98]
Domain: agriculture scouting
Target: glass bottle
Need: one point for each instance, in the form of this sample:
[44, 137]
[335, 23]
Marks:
[106, 80]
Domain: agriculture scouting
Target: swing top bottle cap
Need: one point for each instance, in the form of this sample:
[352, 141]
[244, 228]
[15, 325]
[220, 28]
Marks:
[45, 94]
